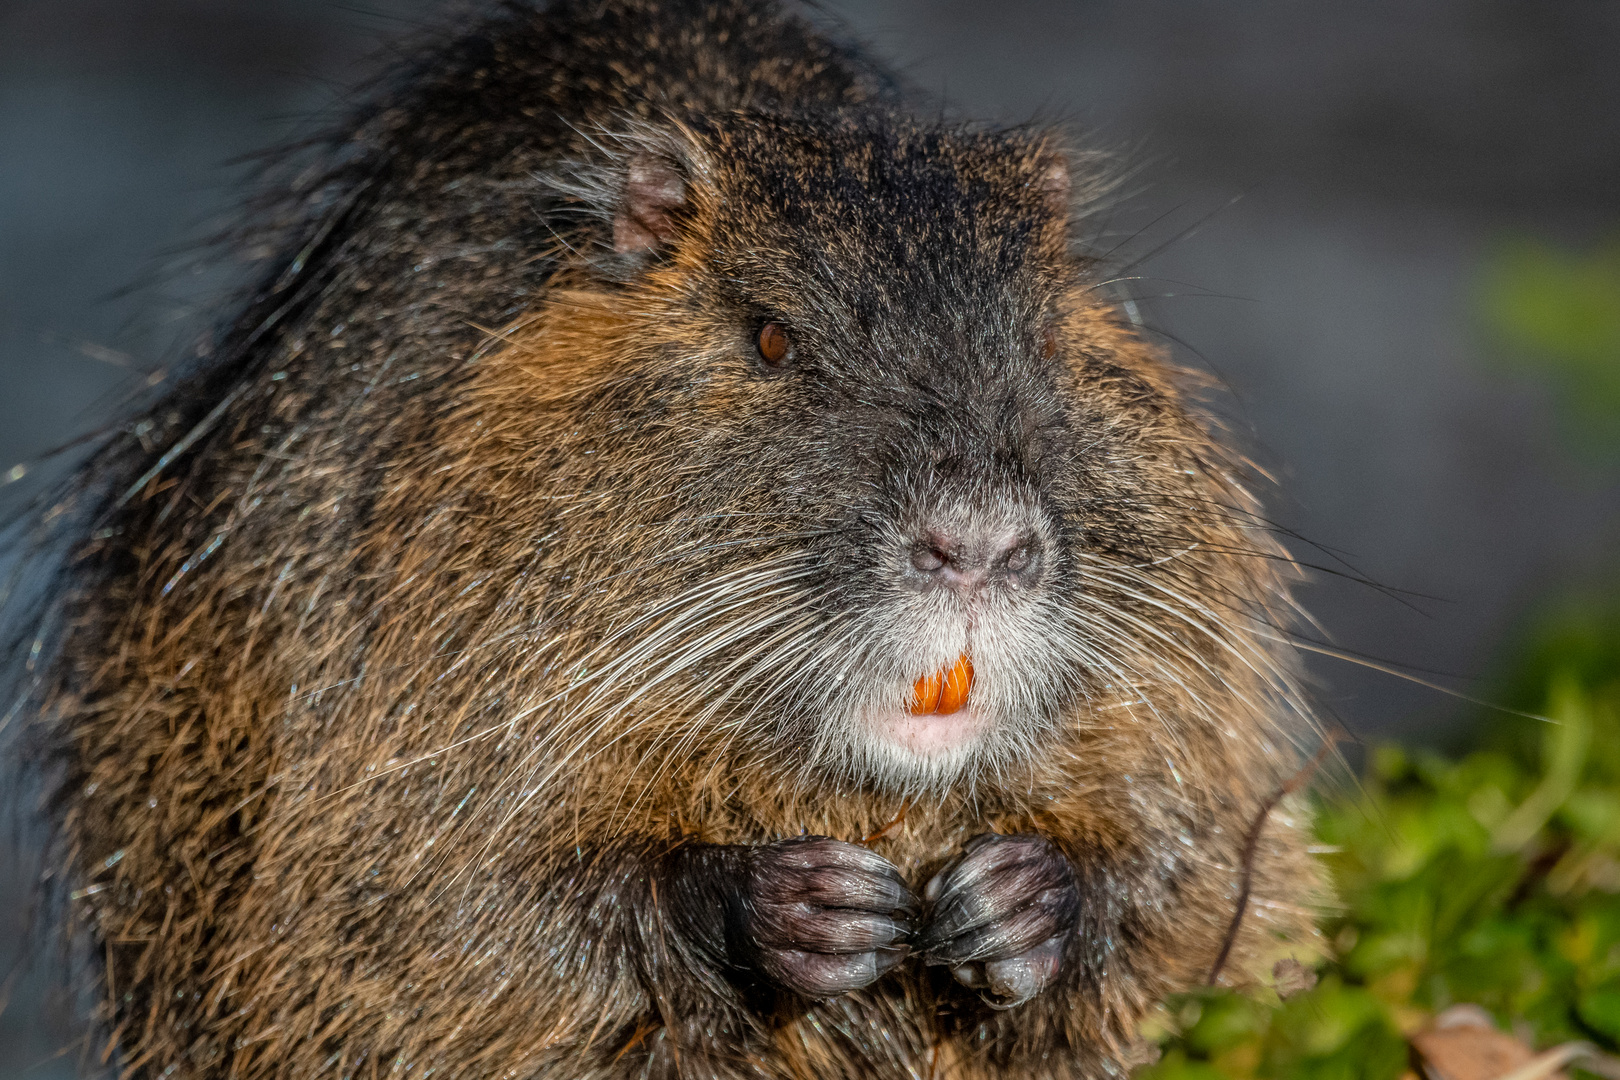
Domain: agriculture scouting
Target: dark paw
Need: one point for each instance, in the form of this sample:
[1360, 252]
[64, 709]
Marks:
[1000, 916]
[822, 917]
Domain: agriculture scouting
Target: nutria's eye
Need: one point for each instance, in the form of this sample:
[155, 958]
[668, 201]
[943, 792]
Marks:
[1049, 342]
[775, 347]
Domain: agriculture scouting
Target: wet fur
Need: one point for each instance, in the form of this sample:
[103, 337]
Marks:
[490, 582]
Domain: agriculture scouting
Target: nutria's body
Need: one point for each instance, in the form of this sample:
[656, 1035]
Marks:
[458, 655]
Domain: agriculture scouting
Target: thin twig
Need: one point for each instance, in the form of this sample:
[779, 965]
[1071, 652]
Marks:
[872, 838]
[1251, 846]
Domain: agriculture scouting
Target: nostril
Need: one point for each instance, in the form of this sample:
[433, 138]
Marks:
[1020, 555]
[927, 558]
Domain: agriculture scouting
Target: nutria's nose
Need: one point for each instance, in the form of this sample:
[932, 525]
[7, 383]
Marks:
[967, 560]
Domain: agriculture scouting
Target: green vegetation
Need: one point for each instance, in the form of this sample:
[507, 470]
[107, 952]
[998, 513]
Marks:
[1556, 315]
[1494, 880]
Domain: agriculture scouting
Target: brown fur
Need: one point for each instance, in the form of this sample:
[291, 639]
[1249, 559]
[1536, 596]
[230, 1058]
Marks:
[338, 799]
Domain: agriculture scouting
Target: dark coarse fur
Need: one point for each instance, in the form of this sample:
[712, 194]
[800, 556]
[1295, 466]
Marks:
[470, 671]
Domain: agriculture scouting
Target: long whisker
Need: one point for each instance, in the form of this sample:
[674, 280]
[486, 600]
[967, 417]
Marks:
[615, 676]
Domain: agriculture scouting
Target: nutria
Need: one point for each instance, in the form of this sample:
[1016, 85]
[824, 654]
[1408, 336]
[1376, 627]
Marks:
[678, 568]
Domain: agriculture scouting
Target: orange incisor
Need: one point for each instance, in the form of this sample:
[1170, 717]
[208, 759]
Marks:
[943, 692]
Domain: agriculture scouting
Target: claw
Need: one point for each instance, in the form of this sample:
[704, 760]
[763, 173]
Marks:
[1016, 979]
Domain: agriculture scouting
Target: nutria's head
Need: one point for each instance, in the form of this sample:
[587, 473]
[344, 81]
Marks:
[824, 410]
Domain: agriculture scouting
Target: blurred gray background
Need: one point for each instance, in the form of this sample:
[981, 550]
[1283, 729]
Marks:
[1345, 170]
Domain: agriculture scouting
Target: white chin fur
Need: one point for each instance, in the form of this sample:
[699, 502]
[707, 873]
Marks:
[929, 736]
[924, 750]
[912, 754]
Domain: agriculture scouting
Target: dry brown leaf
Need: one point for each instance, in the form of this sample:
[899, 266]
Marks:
[1463, 1044]
[1292, 977]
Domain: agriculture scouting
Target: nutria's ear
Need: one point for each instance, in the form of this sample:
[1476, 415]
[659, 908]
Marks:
[1053, 185]
[654, 192]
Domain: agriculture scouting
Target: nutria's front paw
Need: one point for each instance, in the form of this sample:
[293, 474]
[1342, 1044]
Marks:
[1000, 916]
[821, 917]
